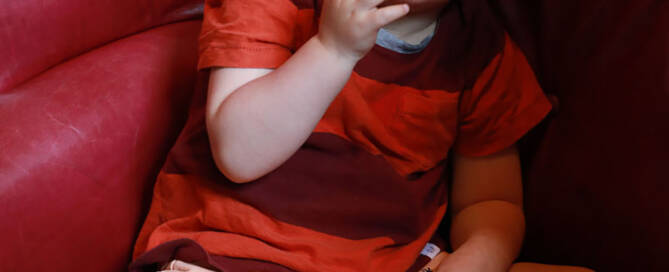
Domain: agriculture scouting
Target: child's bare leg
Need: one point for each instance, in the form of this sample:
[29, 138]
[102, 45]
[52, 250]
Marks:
[179, 266]
[517, 267]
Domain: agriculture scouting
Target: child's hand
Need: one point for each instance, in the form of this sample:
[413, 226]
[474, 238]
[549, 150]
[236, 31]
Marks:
[434, 264]
[349, 27]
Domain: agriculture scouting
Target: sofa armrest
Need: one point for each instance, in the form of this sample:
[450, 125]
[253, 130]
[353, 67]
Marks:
[80, 146]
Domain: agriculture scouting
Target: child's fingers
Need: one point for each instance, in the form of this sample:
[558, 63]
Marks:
[434, 263]
[386, 15]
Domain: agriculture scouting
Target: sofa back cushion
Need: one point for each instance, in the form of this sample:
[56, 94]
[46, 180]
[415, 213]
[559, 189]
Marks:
[38, 34]
[596, 190]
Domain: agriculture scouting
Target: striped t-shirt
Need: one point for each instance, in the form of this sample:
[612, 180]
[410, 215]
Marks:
[368, 189]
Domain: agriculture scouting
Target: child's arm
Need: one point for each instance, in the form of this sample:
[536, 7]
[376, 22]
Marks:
[257, 118]
[488, 222]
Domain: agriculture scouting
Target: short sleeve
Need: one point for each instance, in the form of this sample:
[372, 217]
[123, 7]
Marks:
[505, 102]
[247, 33]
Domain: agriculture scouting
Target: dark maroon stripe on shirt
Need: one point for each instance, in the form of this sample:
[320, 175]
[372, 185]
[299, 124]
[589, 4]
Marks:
[333, 186]
[329, 185]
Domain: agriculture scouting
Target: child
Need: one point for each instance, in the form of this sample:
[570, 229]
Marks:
[331, 122]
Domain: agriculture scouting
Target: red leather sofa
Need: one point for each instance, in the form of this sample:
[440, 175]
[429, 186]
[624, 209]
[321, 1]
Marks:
[93, 95]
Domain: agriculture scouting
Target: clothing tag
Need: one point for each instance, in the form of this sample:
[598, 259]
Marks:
[430, 250]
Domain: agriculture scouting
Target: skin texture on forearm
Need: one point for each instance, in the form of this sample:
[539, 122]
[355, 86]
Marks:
[488, 223]
[491, 231]
[262, 123]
